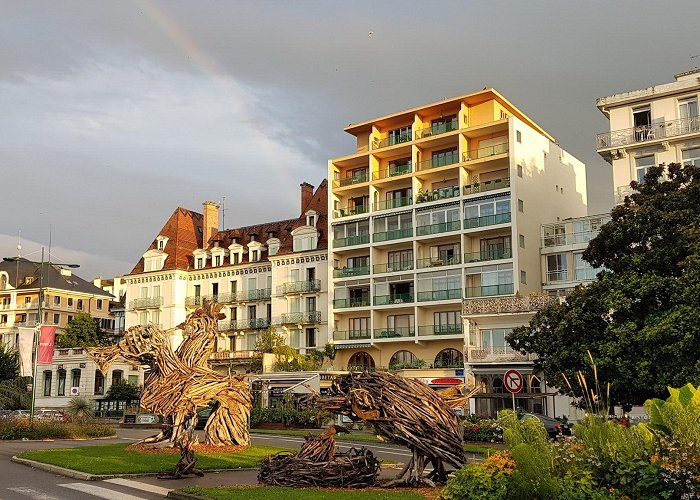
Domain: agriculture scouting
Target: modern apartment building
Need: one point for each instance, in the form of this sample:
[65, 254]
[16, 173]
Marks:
[650, 126]
[271, 274]
[440, 205]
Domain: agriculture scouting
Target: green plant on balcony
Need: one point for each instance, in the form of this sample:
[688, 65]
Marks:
[418, 363]
[421, 197]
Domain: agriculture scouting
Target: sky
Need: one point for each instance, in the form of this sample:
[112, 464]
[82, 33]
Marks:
[113, 114]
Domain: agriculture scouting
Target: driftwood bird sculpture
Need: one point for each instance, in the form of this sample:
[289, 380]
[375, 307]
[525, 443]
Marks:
[405, 412]
[179, 382]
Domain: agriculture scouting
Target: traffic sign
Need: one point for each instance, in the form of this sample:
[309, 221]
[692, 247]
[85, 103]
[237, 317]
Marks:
[513, 381]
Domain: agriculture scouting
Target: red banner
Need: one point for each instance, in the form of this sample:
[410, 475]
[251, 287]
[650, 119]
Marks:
[47, 336]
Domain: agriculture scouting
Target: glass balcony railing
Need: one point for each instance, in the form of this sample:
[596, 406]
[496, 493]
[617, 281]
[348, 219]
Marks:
[482, 187]
[439, 261]
[489, 290]
[352, 334]
[391, 140]
[394, 234]
[397, 298]
[497, 149]
[393, 203]
[390, 333]
[437, 129]
[351, 240]
[449, 294]
[354, 302]
[348, 211]
[349, 272]
[487, 220]
[446, 329]
[439, 161]
[437, 194]
[354, 179]
[492, 253]
[392, 171]
[393, 267]
[442, 227]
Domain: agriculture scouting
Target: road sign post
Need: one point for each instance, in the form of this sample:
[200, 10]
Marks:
[513, 381]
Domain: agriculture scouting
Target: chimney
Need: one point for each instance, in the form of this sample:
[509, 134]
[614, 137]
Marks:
[307, 192]
[210, 225]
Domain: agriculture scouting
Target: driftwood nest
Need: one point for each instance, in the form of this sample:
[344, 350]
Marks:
[354, 469]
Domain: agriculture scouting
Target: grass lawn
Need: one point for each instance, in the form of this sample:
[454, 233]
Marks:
[360, 437]
[116, 459]
[477, 448]
[277, 493]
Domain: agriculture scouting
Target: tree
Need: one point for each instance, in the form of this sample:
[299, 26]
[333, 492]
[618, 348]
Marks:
[9, 363]
[123, 391]
[640, 318]
[82, 331]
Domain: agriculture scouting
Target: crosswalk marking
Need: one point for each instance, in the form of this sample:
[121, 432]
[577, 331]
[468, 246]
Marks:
[151, 488]
[99, 491]
[32, 493]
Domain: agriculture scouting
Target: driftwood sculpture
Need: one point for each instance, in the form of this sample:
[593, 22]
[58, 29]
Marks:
[180, 382]
[405, 412]
[318, 464]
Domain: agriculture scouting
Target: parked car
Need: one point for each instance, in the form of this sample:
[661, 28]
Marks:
[5, 414]
[554, 427]
[50, 415]
[20, 414]
[203, 417]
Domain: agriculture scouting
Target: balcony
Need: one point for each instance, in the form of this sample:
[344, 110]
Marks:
[393, 171]
[563, 239]
[515, 304]
[247, 324]
[300, 287]
[621, 192]
[437, 194]
[352, 334]
[146, 302]
[348, 211]
[397, 298]
[439, 261]
[232, 355]
[487, 220]
[351, 240]
[300, 318]
[393, 267]
[557, 276]
[438, 161]
[390, 333]
[394, 234]
[254, 295]
[646, 133]
[354, 179]
[496, 353]
[446, 329]
[393, 203]
[493, 253]
[391, 140]
[431, 295]
[349, 272]
[489, 290]
[437, 129]
[442, 227]
[355, 302]
[491, 185]
[486, 152]
[194, 301]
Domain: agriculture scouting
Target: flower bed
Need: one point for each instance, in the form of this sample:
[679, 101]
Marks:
[482, 430]
[21, 428]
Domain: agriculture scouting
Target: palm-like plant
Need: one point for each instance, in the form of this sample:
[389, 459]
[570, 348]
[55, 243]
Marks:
[80, 409]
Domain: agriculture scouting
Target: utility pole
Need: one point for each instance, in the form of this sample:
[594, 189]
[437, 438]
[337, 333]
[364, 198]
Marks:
[37, 329]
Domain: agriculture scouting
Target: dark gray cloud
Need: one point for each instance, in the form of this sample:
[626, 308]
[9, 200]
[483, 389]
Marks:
[114, 113]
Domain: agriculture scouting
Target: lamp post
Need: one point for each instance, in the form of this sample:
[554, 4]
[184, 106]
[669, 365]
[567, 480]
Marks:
[37, 328]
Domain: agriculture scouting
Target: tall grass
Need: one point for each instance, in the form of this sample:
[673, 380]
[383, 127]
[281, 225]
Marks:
[593, 399]
[18, 428]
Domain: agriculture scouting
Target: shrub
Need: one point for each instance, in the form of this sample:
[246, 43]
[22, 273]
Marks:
[475, 482]
[288, 414]
[80, 409]
[488, 430]
[39, 429]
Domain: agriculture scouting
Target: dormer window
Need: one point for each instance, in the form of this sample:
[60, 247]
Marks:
[273, 246]
[235, 258]
[161, 241]
[311, 218]
[255, 256]
[305, 238]
[200, 263]
[217, 260]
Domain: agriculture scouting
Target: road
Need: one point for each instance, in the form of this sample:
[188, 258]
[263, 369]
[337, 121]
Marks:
[19, 482]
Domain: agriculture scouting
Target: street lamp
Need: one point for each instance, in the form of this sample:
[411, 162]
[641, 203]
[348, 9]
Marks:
[37, 327]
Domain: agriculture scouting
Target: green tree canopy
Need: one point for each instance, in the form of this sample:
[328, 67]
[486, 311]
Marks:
[82, 331]
[640, 318]
[9, 363]
[123, 391]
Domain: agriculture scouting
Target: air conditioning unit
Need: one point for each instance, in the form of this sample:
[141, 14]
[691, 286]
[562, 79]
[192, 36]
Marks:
[75, 391]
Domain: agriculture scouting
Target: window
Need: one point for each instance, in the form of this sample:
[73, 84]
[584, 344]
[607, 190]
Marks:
[197, 291]
[252, 312]
[688, 112]
[133, 380]
[518, 136]
[583, 270]
[161, 246]
[75, 377]
[403, 359]
[215, 290]
[47, 383]
[57, 300]
[641, 167]
[443, 124]
[520, 170]
[439, 219]
[359, 328]
[444, 157]
[56, 319]
[493, 341]
[521, 240]
[61, 383]
[352, 233]
[251, 340]
[143, 318]
[361, 361]
[449, 358]
[235, 258]
[70, 301]
[117, 377]
[521, 206]
[310, 337]
[217, 260]
[310, 304]
[523, 277]
[70, 318]
[399, 166]
[557, 267]
[311, 220]
[691, 157]
[487, 212]
[99, 303]
[447, 322]
[255, 256]
[489, 280]
[399, 260]
[27, 300]
[642, 121]
[393, 227]
[200, 263]
[79, 305]
[99, 383]
[399, 135]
